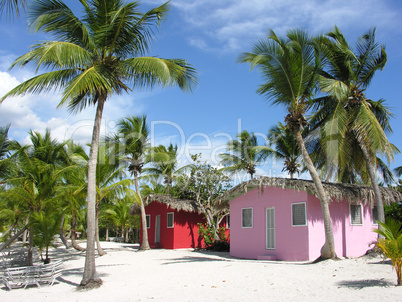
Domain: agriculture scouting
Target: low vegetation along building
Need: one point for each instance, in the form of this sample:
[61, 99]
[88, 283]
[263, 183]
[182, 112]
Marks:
[281, 219]
[173, 223]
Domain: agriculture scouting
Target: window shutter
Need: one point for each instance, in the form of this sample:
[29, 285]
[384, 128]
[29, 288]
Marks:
[299, 214]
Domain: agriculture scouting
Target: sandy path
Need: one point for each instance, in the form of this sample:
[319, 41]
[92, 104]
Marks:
[185, 275]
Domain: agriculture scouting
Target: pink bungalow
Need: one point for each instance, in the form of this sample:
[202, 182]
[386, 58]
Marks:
[281, 219]
[173, 223]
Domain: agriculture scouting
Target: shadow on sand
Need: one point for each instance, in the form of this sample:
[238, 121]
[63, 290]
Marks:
[360, 284]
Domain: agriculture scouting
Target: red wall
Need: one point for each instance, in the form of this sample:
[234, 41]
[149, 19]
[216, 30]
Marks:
[184, 234]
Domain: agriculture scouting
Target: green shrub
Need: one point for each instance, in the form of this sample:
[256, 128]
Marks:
[207, 233]
[391, 245]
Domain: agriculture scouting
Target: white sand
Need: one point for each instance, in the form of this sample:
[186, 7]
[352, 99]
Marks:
[186, 275]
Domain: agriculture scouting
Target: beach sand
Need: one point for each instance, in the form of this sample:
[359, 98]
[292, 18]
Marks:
[187, 275]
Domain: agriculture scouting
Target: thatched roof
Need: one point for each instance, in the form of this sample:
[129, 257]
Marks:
[336, 191]
[175, 204]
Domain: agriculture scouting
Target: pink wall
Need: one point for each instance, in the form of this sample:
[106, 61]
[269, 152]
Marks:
[295, 243]
[291, 241]
[350, 240]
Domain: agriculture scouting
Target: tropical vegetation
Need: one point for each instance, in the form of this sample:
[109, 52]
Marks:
[244, 154]
[204, 184]
[51, 187]
[349, 118]
[290, 68]
[95, 56]
[390, 244]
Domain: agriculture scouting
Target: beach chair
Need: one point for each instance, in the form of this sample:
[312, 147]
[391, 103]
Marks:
[6, 260]
[49, 272]
[16, 277]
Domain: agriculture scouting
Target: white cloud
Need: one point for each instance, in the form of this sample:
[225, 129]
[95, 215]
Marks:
[39, 112]
[234, 24]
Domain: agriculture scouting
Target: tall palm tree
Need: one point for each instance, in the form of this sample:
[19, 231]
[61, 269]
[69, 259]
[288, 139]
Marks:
[94, 56]
[164, 163]
[12, 6]
[289, 66]
[133, 142]
[285, 148]
[110, 183]
[352, 117]
[244, 154]
[332, 154]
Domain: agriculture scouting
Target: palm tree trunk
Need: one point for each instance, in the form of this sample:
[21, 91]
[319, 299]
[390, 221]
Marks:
[13, 238]
[101, 252]
[10, 228]
[145, 243]
[328, 250]
[24, 236]
[90, 274]
[30, 248]
[61, 233]
[73, 241]
[107, 234]
[374, 184]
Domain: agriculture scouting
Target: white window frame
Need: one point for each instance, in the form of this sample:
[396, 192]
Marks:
[148, 221]
[305, 213]
[247, 227]
[374, 222]
[228, 222]
[167, 222]
[361, 214]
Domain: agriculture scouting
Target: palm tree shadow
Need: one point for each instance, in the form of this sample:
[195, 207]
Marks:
[62, 280]
[191, 259]
[360, 284]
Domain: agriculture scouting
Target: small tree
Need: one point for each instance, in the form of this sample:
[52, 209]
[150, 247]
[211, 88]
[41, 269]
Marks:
[203, 185]
[391, 245]
[45, 226]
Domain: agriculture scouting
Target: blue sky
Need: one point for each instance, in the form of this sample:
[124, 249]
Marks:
[210, 35]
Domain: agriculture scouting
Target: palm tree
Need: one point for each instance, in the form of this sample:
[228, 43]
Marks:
[11, 6]
[152, 188]
[41, 166]
[110, 183]
[353, 118]
[164, 163]
[95, 56]
[133, 141]
[5, 163]
[289, 66]
[391, 245]
[285, 149]
[71, 193]
[45, 223]
[119, 211]
[398, 171]
[244, 154]
[333, 157]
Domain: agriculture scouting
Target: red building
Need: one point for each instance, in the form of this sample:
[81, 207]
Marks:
[173, 224]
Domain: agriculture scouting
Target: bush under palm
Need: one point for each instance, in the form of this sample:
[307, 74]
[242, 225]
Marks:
[391, 245]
